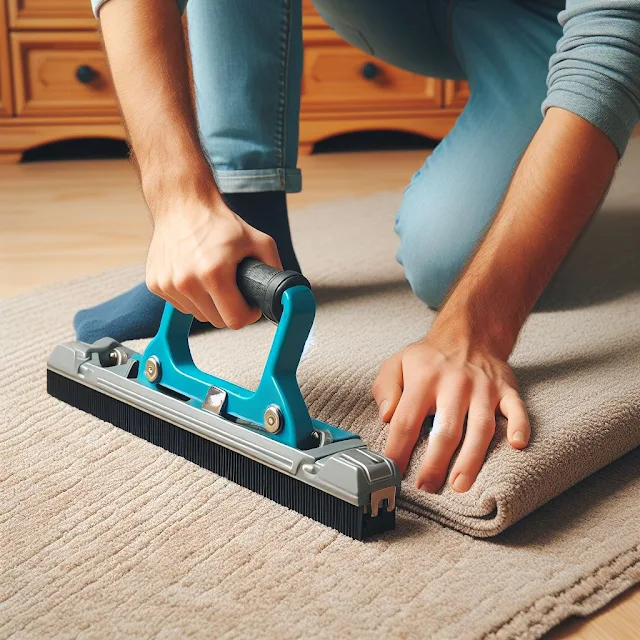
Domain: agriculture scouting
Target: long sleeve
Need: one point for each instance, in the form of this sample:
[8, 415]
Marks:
[96, 4]
[595, 72]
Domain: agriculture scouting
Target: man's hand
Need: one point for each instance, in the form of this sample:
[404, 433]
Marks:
[451, 380]
[197, 240]
[193, 257]
[460, 367]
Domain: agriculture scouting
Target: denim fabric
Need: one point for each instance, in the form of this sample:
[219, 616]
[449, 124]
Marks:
[247, 62]
[502, 48]
[247, 67]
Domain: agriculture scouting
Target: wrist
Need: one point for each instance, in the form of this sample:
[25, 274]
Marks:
[485, 325]
[166, 188]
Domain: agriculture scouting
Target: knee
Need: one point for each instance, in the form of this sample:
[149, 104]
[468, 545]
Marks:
[431, 271]
[433, 252]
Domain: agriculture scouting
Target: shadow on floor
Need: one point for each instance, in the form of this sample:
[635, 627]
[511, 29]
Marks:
[335, 293]
[604, 264]
[78, 149]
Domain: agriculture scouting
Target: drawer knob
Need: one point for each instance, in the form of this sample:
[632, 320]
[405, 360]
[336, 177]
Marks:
[86, 74]
[370, 71]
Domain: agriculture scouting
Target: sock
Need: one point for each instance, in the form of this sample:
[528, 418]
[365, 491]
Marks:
[267, 212]
[137, 312]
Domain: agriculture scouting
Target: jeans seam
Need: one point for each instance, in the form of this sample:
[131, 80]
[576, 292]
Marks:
[285, 48]
[257, 174]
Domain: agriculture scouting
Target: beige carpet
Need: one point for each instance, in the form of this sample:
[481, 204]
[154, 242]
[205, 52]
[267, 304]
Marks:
[104, 535]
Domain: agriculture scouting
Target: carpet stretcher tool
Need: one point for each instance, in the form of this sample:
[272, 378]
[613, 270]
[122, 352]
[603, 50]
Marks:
[265, 439]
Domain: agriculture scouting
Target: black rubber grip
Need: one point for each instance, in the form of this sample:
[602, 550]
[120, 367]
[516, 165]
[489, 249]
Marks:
[262, 286]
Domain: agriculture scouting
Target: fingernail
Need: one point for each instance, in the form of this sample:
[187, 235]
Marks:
[428, 488]
[461, 483]
[518, 438]
[383, 409]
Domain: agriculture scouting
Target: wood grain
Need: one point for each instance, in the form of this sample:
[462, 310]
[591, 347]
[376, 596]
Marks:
[50, 39]
[6, 100]
[456, 93]
[44, 71]
[334, 80]
[69, 219]
[51, 14]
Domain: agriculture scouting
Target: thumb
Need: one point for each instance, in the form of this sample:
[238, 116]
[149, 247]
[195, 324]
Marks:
[266, 250]
[387, 387]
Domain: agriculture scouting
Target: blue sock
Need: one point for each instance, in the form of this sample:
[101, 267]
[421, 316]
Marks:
[137, 312]
[131, 315]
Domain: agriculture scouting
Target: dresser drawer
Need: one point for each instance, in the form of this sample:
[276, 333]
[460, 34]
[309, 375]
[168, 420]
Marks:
[51, 14]
[340, 77]
[61, 74]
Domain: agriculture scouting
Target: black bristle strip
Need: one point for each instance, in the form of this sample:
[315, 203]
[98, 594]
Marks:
[279, 487]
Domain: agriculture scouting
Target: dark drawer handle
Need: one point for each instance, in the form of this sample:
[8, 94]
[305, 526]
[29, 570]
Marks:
[86, 74]
[370, 71]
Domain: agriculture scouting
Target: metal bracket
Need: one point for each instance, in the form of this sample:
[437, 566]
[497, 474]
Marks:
[378, 497]
[215, 400]
[278, 386]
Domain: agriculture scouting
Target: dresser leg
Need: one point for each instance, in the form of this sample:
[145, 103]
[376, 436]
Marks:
[10, 157]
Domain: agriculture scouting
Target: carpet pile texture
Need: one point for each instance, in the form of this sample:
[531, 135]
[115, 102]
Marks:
[105, 535]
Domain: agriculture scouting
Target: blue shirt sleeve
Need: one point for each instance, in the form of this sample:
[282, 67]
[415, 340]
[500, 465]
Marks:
[96, 4]
[595, 72]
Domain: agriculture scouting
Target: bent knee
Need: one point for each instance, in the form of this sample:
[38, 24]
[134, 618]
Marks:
[430, 277]
[433, 261]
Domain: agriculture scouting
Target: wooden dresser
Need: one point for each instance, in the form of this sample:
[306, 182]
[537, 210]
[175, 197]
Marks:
[54, 83]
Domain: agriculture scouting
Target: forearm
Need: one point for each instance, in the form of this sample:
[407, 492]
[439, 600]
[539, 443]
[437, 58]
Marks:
[147, 56]
[558, 185]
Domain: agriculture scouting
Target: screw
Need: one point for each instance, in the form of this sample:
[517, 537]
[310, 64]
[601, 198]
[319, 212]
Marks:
[117, 356]
[152, 369]
[273, 418]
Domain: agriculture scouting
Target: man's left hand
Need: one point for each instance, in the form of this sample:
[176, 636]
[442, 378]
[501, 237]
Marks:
[452, 380]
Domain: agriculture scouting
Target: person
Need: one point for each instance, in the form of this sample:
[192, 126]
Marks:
[483, 225]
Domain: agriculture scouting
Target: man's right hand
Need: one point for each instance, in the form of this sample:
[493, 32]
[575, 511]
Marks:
[197, 241]
[194, 253]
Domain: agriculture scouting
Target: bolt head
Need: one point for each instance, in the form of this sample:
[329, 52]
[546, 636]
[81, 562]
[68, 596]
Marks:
[273, 418]
[152, 369]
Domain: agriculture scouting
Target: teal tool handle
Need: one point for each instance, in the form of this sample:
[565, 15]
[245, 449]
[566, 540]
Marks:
[285, 297]
[263, 286]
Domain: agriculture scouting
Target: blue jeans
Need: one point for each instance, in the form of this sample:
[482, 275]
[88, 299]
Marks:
[247, 62]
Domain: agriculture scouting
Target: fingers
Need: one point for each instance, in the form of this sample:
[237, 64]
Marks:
[167, 290]
[518, 426]
[220, 284]
[193, 260]
[207, 308]
[415, 404]
[481, 426]
[411, 384]
[444, 438]
[387, 387]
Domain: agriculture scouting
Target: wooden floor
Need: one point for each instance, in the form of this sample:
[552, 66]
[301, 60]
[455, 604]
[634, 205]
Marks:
[60, 220]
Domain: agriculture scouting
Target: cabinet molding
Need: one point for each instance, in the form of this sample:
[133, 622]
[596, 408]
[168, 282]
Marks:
[6, 98]
[55, 84]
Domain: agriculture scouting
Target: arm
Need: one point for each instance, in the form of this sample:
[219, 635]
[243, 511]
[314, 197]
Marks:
[558, 185]
[460, 367]
[197, 240]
